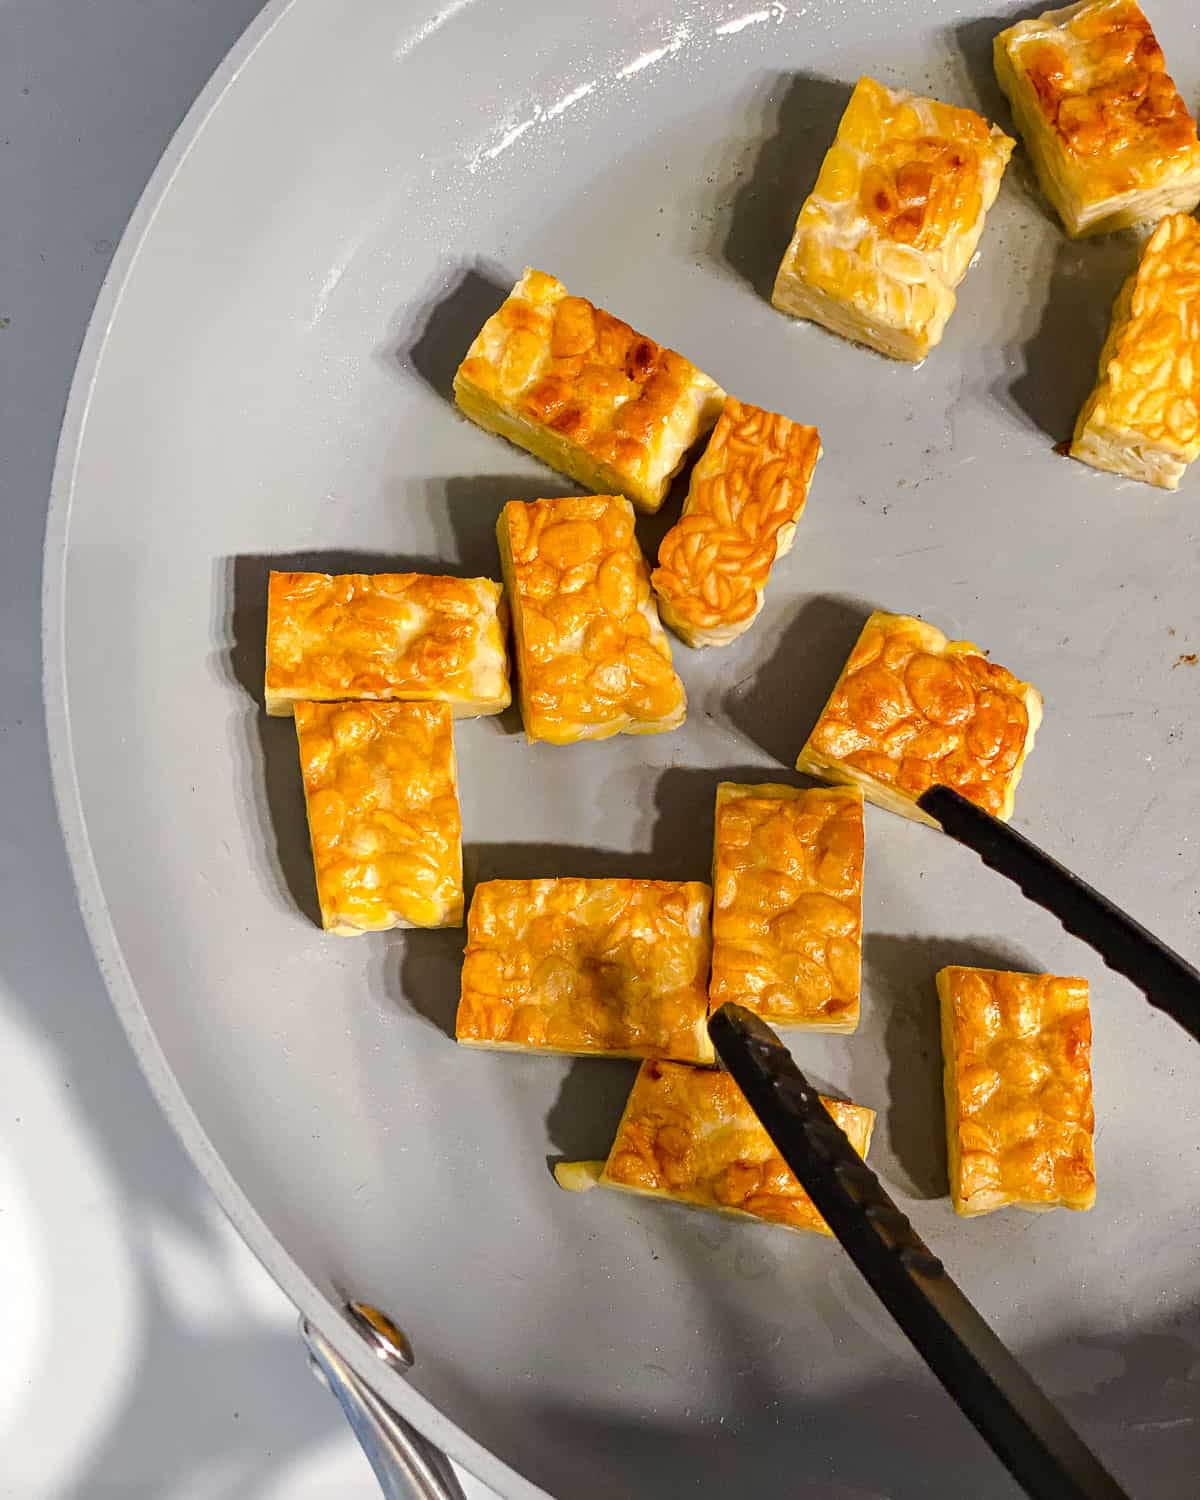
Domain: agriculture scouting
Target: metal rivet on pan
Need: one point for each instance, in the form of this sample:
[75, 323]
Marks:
[388, 1342]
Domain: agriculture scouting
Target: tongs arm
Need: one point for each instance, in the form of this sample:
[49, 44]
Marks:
[1024, 1428]
[1168, 982]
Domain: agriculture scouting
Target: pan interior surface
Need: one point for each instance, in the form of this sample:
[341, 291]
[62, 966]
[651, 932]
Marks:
[272, 390]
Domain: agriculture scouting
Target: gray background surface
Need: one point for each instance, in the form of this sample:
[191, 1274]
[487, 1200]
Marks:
[143, 1352]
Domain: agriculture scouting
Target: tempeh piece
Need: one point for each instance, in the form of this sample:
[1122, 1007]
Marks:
[381, 788]
[405, 637]
[1143, 418]
[1111, 139]
[584, 393]
[592, 658]
[746, 495]
[688, 1135]
[616, 968]
[1018, 1074]
[897, 212]
[787, 904]
[912, 709]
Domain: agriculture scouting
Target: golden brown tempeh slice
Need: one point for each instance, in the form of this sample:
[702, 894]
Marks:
[381, 787]
[787, 904]
[1018, 1074]
[688, 1135]
[1111, 139]
[912, 709]
[617, 968]
[584, 393]
[746, 495]
[897, 212]
[405, 637]
[1143, 418]
[592, 658]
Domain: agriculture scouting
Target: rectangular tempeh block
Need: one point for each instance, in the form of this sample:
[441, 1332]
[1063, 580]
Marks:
[787, 904]
[1111, 139]
[381, 787]
[1018, 1076]
[592, 658]
[688, 1135]
[1143, 418]
[617, 968]
[897, 212]
[746, 495]
[406, 637]
[912, 709]
[584, 393]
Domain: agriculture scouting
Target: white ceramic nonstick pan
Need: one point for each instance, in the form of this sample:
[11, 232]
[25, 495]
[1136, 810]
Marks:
[266, 380]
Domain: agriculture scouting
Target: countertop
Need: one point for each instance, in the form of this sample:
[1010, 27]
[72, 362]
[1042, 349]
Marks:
[145, 1352]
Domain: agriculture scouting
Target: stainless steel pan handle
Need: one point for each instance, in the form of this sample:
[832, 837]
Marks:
[407, 1465]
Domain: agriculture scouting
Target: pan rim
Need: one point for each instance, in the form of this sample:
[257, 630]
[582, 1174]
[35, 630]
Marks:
[300, 1289]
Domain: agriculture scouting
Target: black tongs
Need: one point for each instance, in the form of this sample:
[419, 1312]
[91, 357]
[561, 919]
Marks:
[1025, 1429]
[1169, 982]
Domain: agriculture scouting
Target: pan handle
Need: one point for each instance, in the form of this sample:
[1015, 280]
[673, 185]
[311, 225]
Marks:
[406, 1464]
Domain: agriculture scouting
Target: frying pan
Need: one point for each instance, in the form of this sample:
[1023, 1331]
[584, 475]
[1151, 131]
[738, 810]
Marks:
[265, 383]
